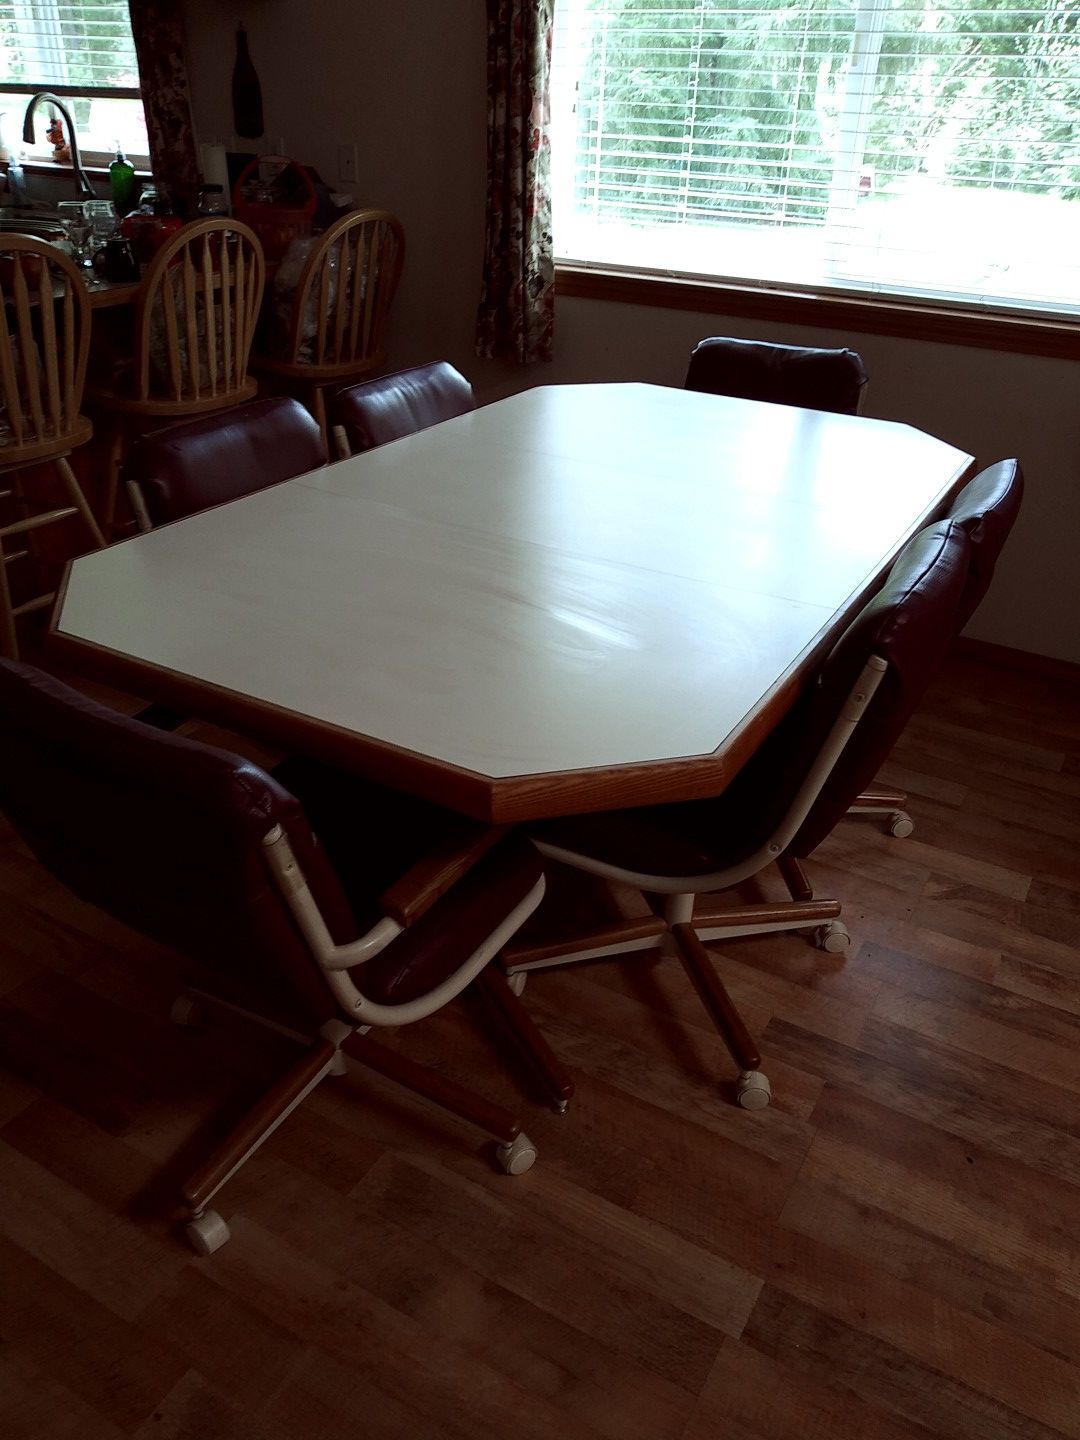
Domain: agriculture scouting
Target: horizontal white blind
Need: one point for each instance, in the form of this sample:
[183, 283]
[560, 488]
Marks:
[69, 44]
[925, 146]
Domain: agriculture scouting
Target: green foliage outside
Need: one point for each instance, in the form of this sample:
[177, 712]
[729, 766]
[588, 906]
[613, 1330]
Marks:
[712, 111]
[97, 46]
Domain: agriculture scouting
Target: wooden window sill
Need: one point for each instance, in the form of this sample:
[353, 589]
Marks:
[912, 320]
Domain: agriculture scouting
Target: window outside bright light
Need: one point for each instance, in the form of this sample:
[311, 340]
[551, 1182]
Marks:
[910, 147]
[73, 45]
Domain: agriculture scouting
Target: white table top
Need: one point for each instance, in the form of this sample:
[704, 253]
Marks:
[499, 610]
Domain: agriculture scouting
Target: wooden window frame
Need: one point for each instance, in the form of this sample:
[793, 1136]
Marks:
[916, 319]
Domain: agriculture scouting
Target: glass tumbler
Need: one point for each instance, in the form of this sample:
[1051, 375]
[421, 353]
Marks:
[76, 226]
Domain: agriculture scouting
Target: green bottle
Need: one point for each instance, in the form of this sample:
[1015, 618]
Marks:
[122, 183]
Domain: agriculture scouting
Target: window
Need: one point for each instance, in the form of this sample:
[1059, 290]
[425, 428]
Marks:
[925, 148]
[82, 50]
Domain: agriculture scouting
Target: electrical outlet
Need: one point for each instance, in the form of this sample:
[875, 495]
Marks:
[347, 163]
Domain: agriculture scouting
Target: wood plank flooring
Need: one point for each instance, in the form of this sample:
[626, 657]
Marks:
[890, 1251]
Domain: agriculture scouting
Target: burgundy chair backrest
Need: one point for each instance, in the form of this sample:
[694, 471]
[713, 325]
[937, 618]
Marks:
[781, 374]
[910, 623]
[396, 405]
[986, 508]
[223, 456]
[165, 834]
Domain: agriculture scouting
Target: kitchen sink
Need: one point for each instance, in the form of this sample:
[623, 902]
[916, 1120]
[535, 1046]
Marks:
[37, 222]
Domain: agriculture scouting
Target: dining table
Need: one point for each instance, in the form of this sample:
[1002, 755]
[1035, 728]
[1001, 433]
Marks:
[580, 597]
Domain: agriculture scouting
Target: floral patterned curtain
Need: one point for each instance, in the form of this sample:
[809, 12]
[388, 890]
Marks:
[517, 301]
[157, 26]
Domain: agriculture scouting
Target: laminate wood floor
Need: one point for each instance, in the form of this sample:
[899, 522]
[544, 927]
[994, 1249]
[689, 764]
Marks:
[888, 1252]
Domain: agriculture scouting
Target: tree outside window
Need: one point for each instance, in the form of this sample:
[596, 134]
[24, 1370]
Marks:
[895, 145]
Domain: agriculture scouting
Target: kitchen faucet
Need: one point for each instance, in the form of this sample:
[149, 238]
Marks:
[83, 188]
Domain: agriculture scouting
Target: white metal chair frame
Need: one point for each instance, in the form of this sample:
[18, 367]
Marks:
[678, 926]
[206, 1230]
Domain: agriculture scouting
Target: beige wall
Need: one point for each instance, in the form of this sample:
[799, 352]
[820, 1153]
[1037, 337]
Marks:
[404, 79]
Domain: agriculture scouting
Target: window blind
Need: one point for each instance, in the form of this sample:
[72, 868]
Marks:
[927, 147]
[73, 47]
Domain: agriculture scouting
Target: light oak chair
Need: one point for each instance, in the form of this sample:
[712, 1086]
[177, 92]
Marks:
[390, 913]
[813, 378]
[393, 406]
[986, 508]
[778, 809]
[195, 320]
[44, 339]
[339, 309]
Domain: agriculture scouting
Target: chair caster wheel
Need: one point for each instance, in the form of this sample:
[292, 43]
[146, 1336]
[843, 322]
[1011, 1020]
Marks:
[186, 1011]
[753, 1091]
[518, 1156]
[207, 1232]
[833, 937]
[901, 824]
[517, 981]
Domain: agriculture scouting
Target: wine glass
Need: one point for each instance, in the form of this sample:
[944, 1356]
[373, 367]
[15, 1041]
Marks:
[76, 226]
[103, 220]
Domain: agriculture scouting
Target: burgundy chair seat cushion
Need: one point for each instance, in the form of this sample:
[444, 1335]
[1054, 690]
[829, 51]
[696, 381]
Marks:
[223, 456]
[372, 836]
[816, 379]
[442, 940]
[910, 624]
[386, 409]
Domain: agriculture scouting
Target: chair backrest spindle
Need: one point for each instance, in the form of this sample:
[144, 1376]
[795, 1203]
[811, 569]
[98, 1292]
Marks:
[44, 339]
[196, 314]
[347, 285]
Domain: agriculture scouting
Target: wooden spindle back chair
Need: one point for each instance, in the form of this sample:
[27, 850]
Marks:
[340, 307]
[44, 339]
[195, 320]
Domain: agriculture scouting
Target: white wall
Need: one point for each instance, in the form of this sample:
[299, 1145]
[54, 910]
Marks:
[405, 80]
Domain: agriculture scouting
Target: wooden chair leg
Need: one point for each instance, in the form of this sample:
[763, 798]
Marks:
[521, 1028]
[885, 802]
[78, 499]
[9, 644]
[875, 799]
[341, 444]
[437, 1088]
[799, 887]
[259, 1124]
[113, 463]
[318, 409]
[717, 1001]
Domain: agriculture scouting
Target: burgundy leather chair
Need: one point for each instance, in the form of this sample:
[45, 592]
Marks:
[986, 509]
[395, 405]
[223, 456]
[782, 374]
[381, 922]
[780, 805]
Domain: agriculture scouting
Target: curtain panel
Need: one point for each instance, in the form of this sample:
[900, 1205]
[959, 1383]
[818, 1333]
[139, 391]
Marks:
[157, 26]
[517, 299]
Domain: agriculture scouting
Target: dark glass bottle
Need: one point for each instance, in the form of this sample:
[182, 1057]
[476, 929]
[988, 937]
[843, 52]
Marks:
[246, 92]
[122, 183]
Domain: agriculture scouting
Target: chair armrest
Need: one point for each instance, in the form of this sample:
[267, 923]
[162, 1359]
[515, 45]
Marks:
[439, 871]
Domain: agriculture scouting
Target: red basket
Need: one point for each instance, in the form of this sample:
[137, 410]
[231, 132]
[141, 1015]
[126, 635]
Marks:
[277, 226]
